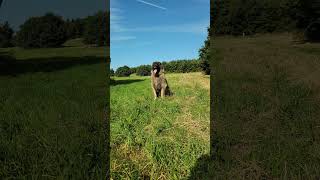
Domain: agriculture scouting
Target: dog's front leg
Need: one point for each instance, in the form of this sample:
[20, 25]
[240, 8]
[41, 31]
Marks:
[154, 93]
[162, 92]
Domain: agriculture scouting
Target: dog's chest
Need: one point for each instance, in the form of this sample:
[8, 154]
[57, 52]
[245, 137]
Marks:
[157, 83]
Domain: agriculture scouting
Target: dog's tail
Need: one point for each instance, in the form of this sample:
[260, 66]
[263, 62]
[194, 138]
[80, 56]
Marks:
[168, 91]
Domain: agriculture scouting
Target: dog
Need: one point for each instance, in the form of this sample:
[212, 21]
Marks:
[159, 83]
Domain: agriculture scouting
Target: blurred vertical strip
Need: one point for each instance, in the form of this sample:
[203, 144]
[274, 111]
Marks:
[211, 30]
[107, 118]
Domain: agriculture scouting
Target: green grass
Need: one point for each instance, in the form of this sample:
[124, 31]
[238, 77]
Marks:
[266, 109]
[163, 138]
[78, 42]
[52, 105]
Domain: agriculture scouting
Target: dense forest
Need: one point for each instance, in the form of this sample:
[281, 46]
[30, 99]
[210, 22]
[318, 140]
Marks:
[51, 30]
[247, 17]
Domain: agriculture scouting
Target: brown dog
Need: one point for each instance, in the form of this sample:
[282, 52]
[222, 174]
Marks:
[159, 83]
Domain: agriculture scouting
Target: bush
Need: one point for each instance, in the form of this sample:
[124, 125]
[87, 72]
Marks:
[182, 66]
[144, 70]
[111, 72]
[42, 32]
[123, 71]
[97, 29]
[133, 69]
[6, 34]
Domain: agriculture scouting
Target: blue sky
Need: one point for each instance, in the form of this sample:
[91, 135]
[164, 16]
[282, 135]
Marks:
[143, 31]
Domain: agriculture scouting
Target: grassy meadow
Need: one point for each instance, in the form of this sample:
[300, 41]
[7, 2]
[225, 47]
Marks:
[163, 138]
[266, 109]
[52, 109]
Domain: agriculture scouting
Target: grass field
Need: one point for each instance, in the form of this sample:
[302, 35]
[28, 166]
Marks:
[52, 105]
[266, 116]
[163, 138]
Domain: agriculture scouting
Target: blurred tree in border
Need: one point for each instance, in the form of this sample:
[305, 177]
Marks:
[6, 34]
[97, 29]
[42, 32]
[204, 55]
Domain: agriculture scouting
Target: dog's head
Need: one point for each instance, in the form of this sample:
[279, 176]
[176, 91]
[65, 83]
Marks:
[156, 68]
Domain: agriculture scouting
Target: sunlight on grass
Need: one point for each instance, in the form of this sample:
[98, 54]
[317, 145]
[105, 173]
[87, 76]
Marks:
[160, 138]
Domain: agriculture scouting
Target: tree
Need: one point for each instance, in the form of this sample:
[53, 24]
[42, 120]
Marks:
[6, 34]
[237, 17]
[204, 54]
[111, 72]
[143, 70]
[42, 32]
[123, 71]
[75, 28]
[97, 29]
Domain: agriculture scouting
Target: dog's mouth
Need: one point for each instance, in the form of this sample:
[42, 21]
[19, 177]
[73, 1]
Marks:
[155, 71]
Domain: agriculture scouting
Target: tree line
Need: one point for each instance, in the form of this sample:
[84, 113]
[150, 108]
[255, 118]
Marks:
[177, 66]
[51, 30]
[247, 17]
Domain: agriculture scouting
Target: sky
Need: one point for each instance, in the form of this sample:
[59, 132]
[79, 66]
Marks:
[17, 11]
[144, 31]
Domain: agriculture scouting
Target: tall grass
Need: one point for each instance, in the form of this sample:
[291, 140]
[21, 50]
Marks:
[158, 139]
[266, 109]
[52, 105]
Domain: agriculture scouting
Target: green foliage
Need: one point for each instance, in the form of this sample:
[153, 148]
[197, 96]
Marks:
[6, 34]
[143, 70]
[123, 71]
[237, 17]
[178, 66]
[97, 29]
[112, 72]
[182, 66]
[42, 32]
[204, 55]
[133, 69]
[247, 17]
[75, 28]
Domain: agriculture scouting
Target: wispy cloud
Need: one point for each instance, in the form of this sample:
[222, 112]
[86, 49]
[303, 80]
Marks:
[196, 27]
[151, 4]
[122, 38]
[115, 20]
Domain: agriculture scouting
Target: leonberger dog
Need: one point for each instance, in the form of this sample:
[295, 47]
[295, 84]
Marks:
[159, 83]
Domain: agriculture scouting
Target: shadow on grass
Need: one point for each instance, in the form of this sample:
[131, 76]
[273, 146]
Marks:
[125, 81]
[202, 169]
[9, 66]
